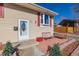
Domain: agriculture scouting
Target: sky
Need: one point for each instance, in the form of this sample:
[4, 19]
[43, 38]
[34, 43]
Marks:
[64, 10]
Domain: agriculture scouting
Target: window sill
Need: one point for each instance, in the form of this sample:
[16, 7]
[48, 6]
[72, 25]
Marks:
[45, 25]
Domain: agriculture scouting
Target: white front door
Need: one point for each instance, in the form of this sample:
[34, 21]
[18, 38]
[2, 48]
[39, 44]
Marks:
[23, 30]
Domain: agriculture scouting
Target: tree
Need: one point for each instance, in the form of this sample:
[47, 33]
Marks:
[55, 50]
[75, 10]
[8, 50]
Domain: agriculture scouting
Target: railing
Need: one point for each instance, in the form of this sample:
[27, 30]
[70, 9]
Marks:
[60, 35]
[67, 35]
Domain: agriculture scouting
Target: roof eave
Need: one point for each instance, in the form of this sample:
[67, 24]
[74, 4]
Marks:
[37, 8]
[52, 12]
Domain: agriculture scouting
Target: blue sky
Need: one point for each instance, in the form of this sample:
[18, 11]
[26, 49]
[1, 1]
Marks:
[65, 10]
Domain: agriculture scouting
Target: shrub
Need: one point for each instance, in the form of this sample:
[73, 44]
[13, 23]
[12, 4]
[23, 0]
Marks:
[8, 50]
[55, 50]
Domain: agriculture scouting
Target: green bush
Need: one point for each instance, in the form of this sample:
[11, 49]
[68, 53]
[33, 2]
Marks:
[55, 50]
[8, 50]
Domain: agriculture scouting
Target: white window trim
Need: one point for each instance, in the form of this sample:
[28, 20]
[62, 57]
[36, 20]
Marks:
[19, 30]
[44, 20]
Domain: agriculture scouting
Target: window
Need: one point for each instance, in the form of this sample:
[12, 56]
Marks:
[1, 10]
[44, 19]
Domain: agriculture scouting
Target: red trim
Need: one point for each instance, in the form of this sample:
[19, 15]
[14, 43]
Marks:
[38, 22]
[50, 21]
[1, 10]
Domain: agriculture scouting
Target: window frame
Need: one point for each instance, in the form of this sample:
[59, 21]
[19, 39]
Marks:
[43, 24]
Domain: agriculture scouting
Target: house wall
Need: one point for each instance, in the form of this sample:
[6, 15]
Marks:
[12, 14]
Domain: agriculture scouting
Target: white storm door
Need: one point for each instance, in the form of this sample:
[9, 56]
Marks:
[23, 30]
